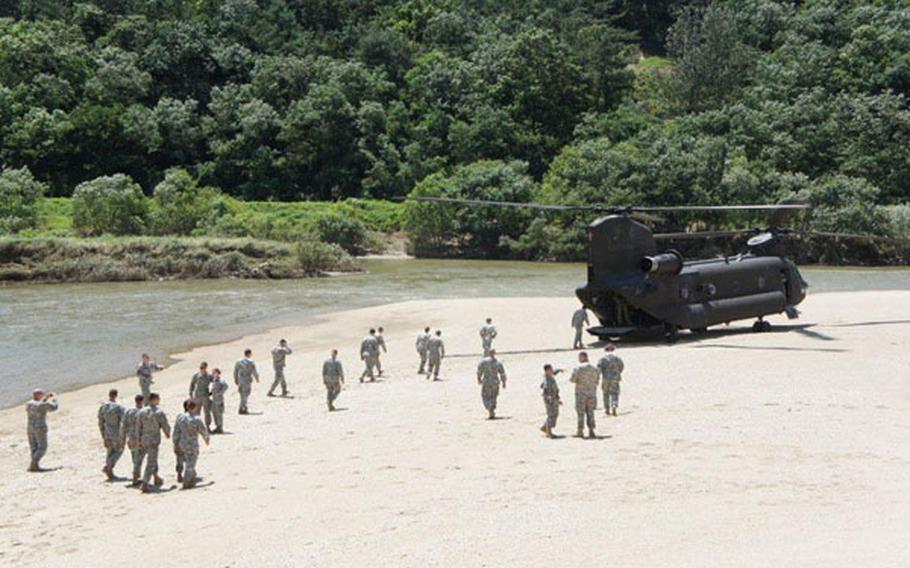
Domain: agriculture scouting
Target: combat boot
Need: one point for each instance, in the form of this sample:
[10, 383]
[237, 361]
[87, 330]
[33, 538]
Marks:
[158, 481]
[580, 433]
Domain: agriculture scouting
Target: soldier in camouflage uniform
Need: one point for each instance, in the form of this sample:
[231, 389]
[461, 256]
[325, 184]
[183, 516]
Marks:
[585, 376]
[152, 422]
[144, 372]
[245, 372]
[490, 373]
[436, 351]
[332, 378]
[37, 409]
[380, 344]
[369, 354]
[551, 401]
[110, 419]
[611, 367]
[187, 429]
[219, 387]
[487, 335]
[579, 321]
[200, 392]
[279, 354]
[422, 340]
[129, 436]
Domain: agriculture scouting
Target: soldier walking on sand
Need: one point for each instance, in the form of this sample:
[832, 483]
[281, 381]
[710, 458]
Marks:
[37, 409]
[422, 340]
[579, 321]
[611, 367]
[110, 419]
[436, 352]
[490, 373]
[245, 372]
[487, 335]
[152, 422]
[200, 392]
[369, 353]
[332, 378]
[219, 387]
[551, 401]
[129, 436]
[585, 376]
[144, 372]
[380, 344]
[187, 429]
[279, 353]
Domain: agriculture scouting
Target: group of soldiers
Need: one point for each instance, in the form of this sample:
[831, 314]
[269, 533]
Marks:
[141, 427]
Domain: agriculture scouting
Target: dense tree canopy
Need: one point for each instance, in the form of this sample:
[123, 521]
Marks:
[582, 101]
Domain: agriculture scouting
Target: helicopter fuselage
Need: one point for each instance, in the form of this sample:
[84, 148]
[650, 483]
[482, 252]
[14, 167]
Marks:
[633, 290]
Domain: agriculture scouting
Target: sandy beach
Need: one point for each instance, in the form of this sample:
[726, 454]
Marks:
[787, 448]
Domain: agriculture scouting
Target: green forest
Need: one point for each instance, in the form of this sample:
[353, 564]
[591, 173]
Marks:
[162, 117]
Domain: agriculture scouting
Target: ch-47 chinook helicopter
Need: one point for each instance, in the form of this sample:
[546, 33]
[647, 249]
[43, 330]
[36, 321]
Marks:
[636, 289]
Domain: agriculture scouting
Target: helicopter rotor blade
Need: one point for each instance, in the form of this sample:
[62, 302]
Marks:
[854, 236]
[513, 204]
[753, 207]
[704, 234]
[607, 208]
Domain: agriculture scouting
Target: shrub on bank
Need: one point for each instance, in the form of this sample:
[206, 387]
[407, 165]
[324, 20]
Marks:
[19, 195]
[109, 205]
[342, 230]
[314, 257]
[179, 205]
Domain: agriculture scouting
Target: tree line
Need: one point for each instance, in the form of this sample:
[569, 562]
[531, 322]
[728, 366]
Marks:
[568, 101]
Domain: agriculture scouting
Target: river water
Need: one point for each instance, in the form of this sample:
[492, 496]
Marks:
[65, 335]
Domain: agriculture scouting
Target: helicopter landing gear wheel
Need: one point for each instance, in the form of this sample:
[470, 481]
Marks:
[700, 330]
[761, 326]
[671, 332]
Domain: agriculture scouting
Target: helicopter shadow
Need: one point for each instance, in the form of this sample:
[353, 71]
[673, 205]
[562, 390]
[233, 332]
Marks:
[870, 323]
[684, 338]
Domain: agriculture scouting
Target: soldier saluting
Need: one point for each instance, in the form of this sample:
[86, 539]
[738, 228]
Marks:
[37, 409]
[279, 356]
[144, 372]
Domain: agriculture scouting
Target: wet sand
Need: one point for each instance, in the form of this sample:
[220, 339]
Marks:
[738, 449]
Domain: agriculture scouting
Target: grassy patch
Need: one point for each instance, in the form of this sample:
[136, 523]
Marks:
[153, 258]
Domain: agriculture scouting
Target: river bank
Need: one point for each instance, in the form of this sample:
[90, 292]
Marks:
[126, 259]
[763, 441]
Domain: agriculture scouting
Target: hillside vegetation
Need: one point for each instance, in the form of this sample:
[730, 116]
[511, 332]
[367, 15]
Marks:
[158, 117]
